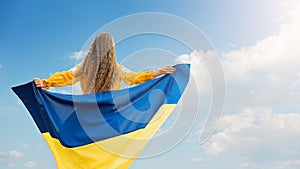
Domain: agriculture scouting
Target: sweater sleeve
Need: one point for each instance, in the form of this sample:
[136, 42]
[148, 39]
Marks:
[59, 79]
[132, 78]
[63, 78]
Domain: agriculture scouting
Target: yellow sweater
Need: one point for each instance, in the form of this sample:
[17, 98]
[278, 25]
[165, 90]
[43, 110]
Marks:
[65, 78]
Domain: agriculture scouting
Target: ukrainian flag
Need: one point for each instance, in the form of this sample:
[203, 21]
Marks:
[106, 130]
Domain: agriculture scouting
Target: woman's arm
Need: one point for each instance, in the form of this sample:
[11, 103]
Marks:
[58, 79]
[164, 70]
[131, 78]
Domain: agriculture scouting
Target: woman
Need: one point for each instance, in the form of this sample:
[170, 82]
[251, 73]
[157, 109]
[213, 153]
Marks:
[100, 71]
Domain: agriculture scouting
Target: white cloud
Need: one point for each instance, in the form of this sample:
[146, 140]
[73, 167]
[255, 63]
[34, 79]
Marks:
[15, 154]
[248, 165]
[290, 164]
[232, 46]
[24, 145]
[280, 48]
[197, 160]
[257, 134]
[264, 73]
[261, 74]
[31, 164]
[268, 71]
[198, 67]
[206, 87]
[78, 55]
[277, 56]
[289, 8]
[11, 164]
[14, 158]
[3, 154]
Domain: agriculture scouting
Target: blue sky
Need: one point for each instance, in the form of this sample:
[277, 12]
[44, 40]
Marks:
[257, 42]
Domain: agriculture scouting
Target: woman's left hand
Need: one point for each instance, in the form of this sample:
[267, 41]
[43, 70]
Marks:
[167, 69]
[164, 70]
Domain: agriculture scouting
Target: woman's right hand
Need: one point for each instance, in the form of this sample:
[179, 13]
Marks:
[39, 83]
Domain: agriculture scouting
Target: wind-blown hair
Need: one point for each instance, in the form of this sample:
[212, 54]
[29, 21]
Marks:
[99, 70]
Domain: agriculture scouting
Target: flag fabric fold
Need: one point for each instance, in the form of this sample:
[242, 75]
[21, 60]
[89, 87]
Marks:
[107, 129]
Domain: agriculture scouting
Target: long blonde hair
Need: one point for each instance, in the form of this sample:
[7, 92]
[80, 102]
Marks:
[99, 71]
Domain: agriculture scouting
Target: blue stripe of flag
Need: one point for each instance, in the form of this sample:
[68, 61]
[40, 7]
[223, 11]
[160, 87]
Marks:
[77, 120]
